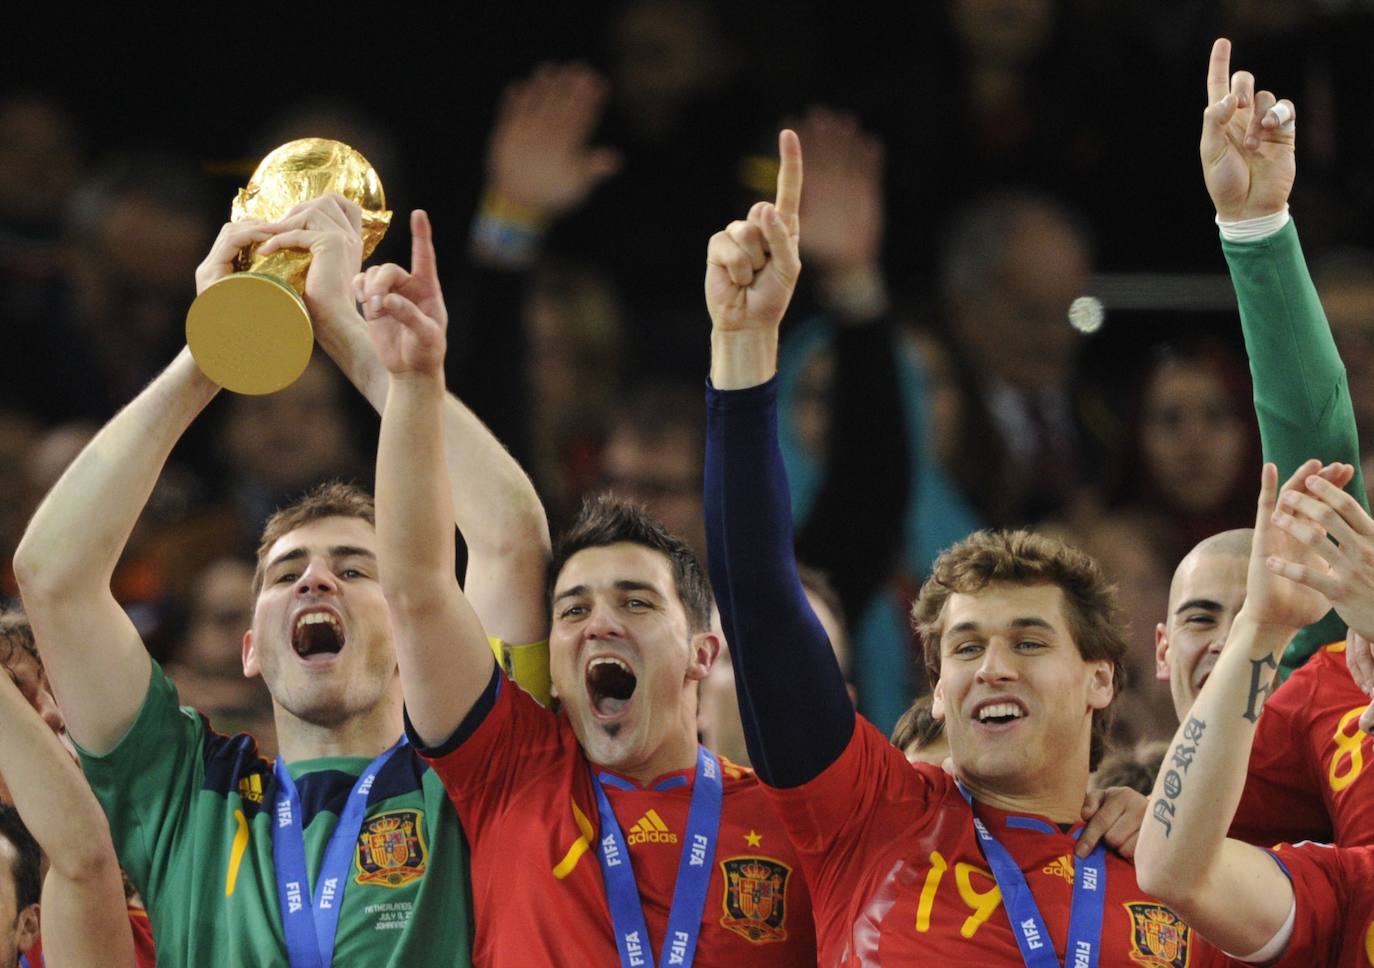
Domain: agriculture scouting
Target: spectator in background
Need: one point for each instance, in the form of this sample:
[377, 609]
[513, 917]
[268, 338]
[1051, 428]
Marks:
[1122, 545]
[40, 164]
[207, 661]
[279, 444]
[540, 358]
[575, 330]
[1192, 437]
[871, 499]
[652, 456]
[1011, 265]
[138, 228]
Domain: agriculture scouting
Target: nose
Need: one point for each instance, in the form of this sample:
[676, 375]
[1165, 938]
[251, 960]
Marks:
[317, 579]
[996, 665]
[602, 623]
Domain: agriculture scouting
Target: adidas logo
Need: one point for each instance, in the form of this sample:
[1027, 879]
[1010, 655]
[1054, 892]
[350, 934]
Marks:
[650, 829]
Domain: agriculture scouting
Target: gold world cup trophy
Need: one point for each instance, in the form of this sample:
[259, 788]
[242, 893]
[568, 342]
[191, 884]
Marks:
[250, 332]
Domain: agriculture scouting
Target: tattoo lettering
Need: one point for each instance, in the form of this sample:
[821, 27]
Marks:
[1261, 686]
[1164, 813]
[1182, 758]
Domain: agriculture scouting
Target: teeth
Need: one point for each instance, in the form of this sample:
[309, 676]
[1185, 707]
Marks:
[998, 710]
[315, 618]
[608, 660]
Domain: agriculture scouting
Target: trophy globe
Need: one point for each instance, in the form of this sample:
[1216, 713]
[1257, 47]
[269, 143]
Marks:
[250, 331]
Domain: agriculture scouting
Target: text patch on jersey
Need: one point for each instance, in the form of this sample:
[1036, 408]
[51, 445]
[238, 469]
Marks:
[1158, 938]
[755, 898]
[391, 849]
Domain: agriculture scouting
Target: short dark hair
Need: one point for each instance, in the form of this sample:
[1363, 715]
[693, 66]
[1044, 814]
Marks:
[1024, 558]
[16, 635]
[332, 499]
[607, 520]
[28, 861]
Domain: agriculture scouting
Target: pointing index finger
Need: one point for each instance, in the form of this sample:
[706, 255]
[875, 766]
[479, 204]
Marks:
[1219, 71]
[789, 176]
[422, 260]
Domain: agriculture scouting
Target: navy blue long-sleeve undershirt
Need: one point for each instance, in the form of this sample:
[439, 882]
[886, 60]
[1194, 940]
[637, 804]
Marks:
[796, 711]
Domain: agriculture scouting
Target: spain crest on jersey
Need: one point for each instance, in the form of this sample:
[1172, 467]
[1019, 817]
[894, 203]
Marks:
[391, 849]
[1158, 938]
[755, 898]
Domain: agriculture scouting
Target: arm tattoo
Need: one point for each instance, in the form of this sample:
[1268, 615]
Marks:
[1179, 761]
[1261, 686]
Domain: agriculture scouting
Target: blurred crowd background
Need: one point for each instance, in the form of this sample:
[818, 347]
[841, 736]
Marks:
[973, 166]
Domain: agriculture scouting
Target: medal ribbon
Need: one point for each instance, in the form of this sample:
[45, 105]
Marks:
[311, 922]
[1032, 935]
[693, 873]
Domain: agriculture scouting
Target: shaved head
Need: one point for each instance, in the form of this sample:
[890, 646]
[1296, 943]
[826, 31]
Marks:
[1225, 544]
[1207, 591]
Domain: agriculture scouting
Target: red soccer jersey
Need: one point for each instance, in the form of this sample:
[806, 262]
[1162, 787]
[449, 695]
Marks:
[1334, 891]
[1307, 778]
[897, 877]
[145, 955]
[524, 792]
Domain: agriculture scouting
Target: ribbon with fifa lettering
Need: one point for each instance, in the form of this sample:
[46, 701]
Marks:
[693, 873]
[1028, 926]
[311, 922]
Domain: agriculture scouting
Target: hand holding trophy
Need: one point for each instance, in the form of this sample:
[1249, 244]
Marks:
[250, 332]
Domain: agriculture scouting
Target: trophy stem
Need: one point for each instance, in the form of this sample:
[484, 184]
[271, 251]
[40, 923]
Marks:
[287, 265]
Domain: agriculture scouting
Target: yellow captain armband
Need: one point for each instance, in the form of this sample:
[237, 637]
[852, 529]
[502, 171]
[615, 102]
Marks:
[528, 665]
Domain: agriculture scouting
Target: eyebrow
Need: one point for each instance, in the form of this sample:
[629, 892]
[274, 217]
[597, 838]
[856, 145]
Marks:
[623, 585]
[1206, 604]
[1029, 622]
[337, 551]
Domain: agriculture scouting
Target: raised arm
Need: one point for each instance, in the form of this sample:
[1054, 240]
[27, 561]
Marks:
[783, 661]
[1231, 892]
[96, 662]
[441, 648]
[85, 920]
[1302, 400]
[494, 503]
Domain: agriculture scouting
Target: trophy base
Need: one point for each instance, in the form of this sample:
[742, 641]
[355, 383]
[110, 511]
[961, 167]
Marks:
[250, 333]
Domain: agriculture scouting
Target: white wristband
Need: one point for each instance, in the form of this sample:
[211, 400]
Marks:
[1253, 229]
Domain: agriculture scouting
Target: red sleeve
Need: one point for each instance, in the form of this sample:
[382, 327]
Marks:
[855, 806]
[1319, 892]
[1283, 800]
[145, 953]
[516, 739]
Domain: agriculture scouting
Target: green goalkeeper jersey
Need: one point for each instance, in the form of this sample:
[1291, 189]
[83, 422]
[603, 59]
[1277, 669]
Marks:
[1301, 396]
[191, 812]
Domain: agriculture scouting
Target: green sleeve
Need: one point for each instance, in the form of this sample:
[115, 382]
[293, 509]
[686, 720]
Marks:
[1302, 399]
[146, 784]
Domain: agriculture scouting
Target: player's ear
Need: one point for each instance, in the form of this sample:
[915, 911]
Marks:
[937, 701]
[705, 649]
[251, 666]
[1102, 687]
[1161, 652]
[27, 927]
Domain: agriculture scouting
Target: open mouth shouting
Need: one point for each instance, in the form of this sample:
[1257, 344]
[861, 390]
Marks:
[317, 634]
[999, 714]
[610, 686]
